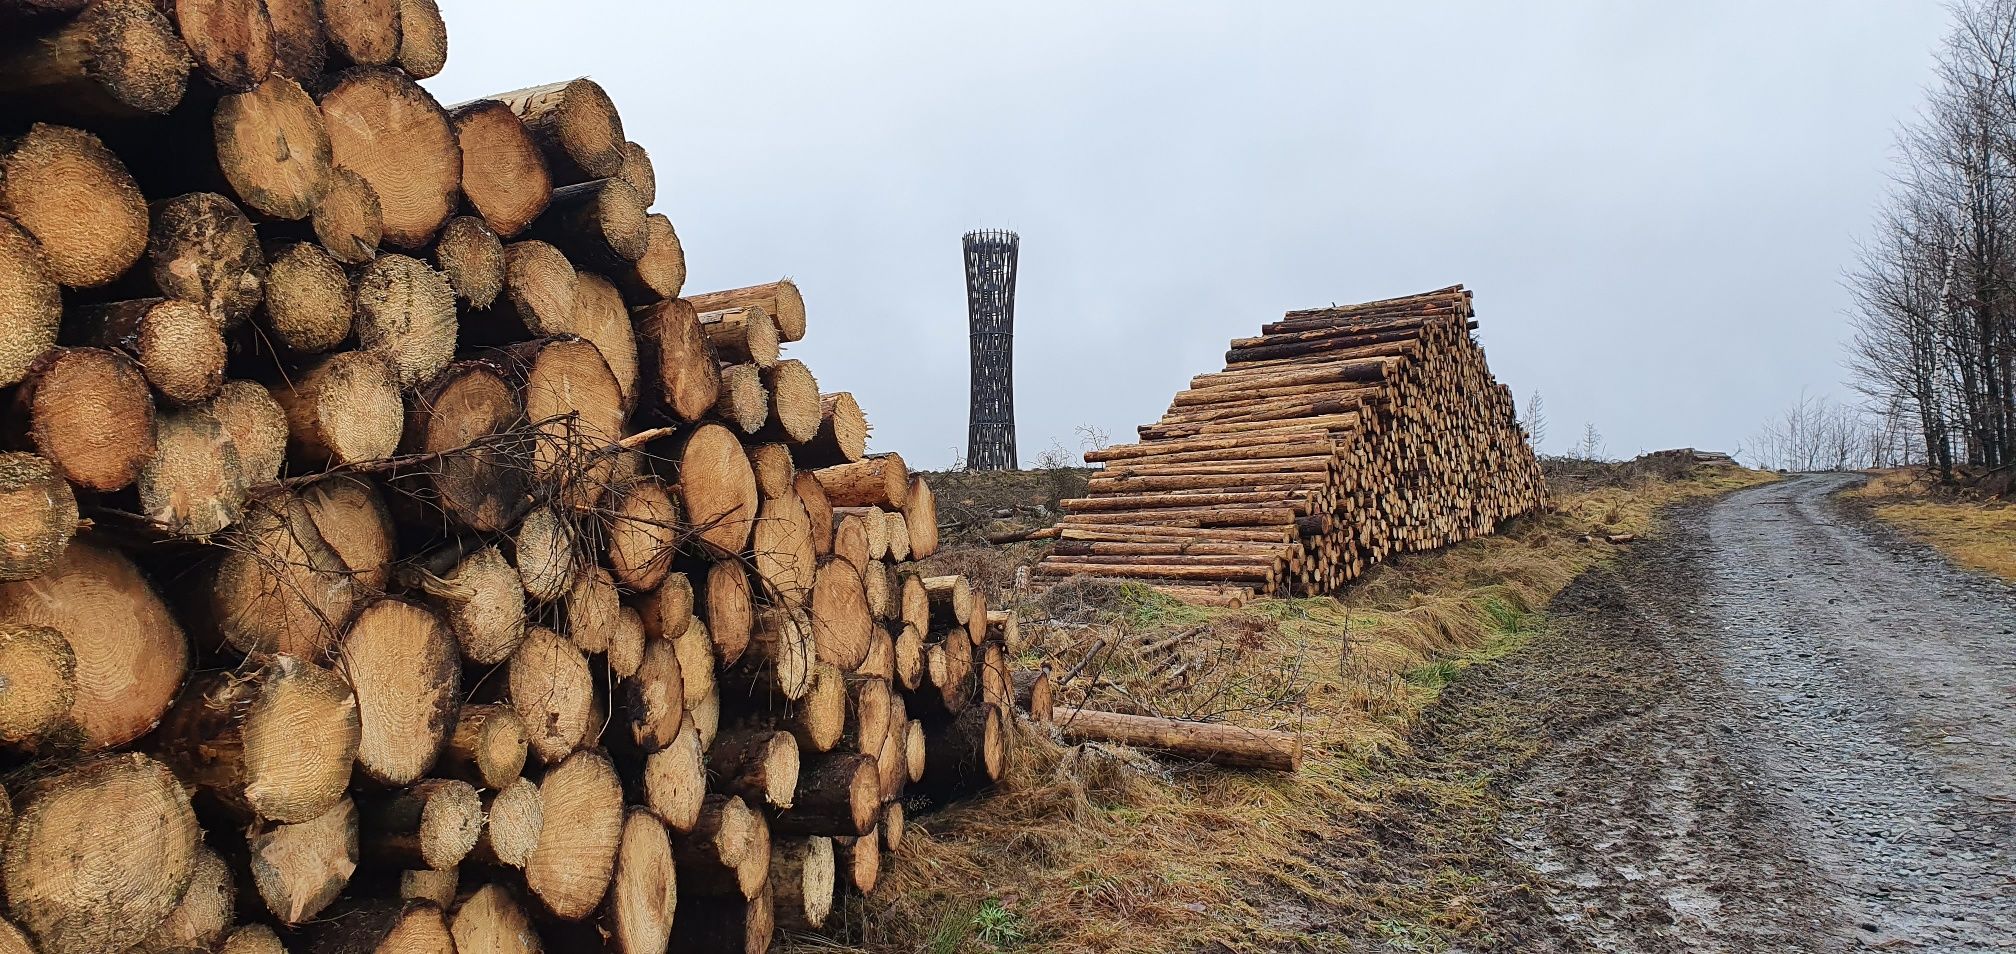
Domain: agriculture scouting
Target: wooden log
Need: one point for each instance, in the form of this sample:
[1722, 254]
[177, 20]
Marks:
[747, 926]
[130, 652]
[401, 660]
[600, 224]
[590, 608]
[276, 743]
[379, 924]
[655, 698]
[553, 690]
[203, 916]
[842, 437]
[729, 609]
[364, 32]
[471, 417]
[488, 746]
[599, 316]
[349, 221]
[301, 869]
[423, 38]
[899, 536]
[77, 201]
[877, 480]
[638, 172]
[697, 673]
[839, 793]
[273, 148]
[661, 273]
[426, 884]
[861, 858]
[746, 335]
[514, 817]
[951, 599]
[406, 313]
[31, 306]
[343, 409]
[743, 401]
[252, 938]
[575, 407]
[717, 489]
[38, 516]
[1234, 746]
[202, 249]
[783, 649]
[116, 59]
[193, 486]
[643, 893]
[576, 127]
[668, 609]
[920, 516]
[780, 299]
[802, 872]
[74, 890]
[711, 856]
[782, 556]
[892, 826]
[675, 780]
[820, 719]
[758, 765]
[483, 600]
[389, 131]
[643, 536]
[571, 869]
[471, 257]
[41, 675]
[504, 174]
[679, 361]
[310, 302]
[492, 919]
[430, 824]
[794, 403]
[230, 40]
[300, 45]
[969, 752]
[841, 622]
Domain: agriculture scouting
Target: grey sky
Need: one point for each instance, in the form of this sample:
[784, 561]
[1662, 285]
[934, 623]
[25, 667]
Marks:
[1654, 202]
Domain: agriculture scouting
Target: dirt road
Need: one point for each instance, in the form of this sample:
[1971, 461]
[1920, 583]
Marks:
[1824, 759]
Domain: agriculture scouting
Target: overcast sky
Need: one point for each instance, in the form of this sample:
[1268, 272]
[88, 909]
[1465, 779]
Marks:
[1653, 202]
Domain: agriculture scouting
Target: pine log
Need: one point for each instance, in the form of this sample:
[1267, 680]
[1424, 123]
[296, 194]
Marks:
[400, 657]
[40, 672]
[600, 317]
[576, 127]
[76, 199]
[487, 747]
[276, 743]
[775, 476]
[491, 919]
[668, 609]
[503, 173]
[878, 480]
[655, 698]
[756, 764]
[343, 409]
[391, 132]
[116, 59]
[1034, 689]
[430, 824]
[74, 890]
[423, 38]
[920, 516]
[743, 401]
[717, 489]
[675, 780]
[951, 600]
[472, 416]
[899, 536]
[638, 172]
[839, 793]
[130, 652]
[747, 926]
[230, 40]
[31, 306]
[643, 535]
[782, 556]
[794, 403]
[380, 924]
[553, 690]
[841, 622]
[1234, 746]
[575, 406]
[350, 515]
[202, 249]
[892, 826]
[746, 335]
[851, 543]
[193, 486]
[820, 719]
[644, 891]
[780, 299]
[350, 219]
[364, 32]
[300, 869]
[729, 608]
[38, 516]
[783, 649]
[627, 642]
[861, 858]
[426, 884]
[570, 870]
[273, 148]
[203, 916]
[483, 600]
[599, 224]
[252, 938]
[590, 608]
[514, 817]
[310, 302]
[697, 675]
[682, 366]
[300, 46]
[661, 273]
[406, 312]
[471, 257]
[802, 874]
[842, 437]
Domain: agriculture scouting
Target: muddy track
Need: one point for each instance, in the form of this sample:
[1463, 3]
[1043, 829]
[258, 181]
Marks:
[1772, 727]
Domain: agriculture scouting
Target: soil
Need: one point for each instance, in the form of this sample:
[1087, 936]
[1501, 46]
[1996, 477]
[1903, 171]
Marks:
[1773, 726]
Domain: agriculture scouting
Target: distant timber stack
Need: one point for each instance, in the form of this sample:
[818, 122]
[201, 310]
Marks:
[1335, 439]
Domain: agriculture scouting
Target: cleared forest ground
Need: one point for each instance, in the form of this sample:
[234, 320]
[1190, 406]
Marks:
[1092, 848]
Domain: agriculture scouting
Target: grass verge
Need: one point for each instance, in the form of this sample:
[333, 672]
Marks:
[1093, 848]
[1975, 532]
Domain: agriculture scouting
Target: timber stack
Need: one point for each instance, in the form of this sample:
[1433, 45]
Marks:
[1333, 440]
[393, 554]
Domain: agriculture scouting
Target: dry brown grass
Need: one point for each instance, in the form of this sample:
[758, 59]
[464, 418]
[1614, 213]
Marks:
[1975, 532]
[1099, 849]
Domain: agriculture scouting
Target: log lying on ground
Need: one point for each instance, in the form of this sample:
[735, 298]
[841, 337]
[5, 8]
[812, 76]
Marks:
[1197, 741]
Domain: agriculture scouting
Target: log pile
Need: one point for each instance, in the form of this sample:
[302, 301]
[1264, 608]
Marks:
[393, 554]
[1333, 440]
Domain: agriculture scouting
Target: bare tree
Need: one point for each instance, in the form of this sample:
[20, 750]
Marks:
[1534, 420]
[1592, 446]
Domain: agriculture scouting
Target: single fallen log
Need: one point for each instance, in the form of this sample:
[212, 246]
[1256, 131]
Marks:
[1211, 742]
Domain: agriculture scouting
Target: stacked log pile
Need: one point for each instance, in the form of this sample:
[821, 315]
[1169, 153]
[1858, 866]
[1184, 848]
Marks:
[1333, 440]
[393, 554]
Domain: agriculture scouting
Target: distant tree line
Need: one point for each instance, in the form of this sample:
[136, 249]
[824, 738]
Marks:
[1935, 289]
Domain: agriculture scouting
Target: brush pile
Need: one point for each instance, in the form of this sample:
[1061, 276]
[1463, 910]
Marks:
[391, 558]
[1338, 437]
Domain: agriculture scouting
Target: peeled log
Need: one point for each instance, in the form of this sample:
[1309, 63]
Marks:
[391, 132]
[571, 869]
[301, 869]
[645, 889]
[130, 652]
[64, 188]
[116, 59]
[31, 305]
[780, 299]
[575, 125]
[273, 148]
[343, 409]
[38, 515]
[277, 743]
[682, 365]
[503, 173]
[231, 40]
[89, 412]
[38, 685]
[1197, 741]
[75, 890]
[401, 659]
[839, 793]
[878, 480]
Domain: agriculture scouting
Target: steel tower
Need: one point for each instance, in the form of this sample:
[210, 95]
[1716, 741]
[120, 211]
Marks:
[990, 313]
